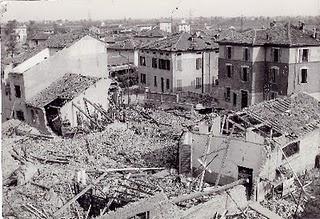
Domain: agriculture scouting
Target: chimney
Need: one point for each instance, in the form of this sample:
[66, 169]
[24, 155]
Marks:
[314, 34]
[301, 26]
[273, 23]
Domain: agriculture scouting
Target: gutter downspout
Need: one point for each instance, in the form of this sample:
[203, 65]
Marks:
[202, 71]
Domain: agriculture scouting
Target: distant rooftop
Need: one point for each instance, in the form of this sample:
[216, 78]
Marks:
[282, 35]
[182, 42]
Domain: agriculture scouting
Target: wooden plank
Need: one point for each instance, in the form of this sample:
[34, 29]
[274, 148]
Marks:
[263, 211]
[208, 191]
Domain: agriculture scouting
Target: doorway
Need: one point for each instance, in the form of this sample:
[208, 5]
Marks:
[246, 173]
[244, 99]
[162, 85]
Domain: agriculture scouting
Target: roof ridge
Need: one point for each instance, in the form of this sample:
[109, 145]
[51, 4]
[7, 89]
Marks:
[175, 45]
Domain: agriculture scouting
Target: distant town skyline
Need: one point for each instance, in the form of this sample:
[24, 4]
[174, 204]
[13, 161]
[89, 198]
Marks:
[138, 9]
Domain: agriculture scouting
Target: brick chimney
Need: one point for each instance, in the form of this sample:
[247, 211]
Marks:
[314, 34]
[301, 26]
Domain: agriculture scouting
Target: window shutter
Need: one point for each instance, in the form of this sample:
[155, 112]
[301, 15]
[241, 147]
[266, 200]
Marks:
[279, 58]
[243, 54]
[232, 70]
[300, 55]
[271, 55]
[309, 55]
[225, 52]
[248, 54]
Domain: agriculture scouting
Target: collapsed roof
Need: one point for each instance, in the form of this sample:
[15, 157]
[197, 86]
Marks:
[292, 116]
[67, 87]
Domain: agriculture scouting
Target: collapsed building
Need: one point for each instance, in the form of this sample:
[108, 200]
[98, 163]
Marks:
[41, 81]
[267, 144]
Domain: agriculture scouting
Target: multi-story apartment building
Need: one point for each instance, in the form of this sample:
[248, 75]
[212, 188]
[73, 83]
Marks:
[262, 64]
[180, 62]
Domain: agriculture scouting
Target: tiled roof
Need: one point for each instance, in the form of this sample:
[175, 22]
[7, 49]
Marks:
[154, 33]
[282, 35]
[64, 40]
[130, 44]
[39, 36]
[67, 87]
[292, 116]
[18, 59]
[182, 42]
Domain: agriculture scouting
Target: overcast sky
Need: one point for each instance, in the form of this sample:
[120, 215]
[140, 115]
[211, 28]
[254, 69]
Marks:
[118, 9]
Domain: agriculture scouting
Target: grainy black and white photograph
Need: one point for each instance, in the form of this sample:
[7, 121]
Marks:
[160, 109]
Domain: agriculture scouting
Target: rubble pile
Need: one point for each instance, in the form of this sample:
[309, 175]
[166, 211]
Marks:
[42, 171]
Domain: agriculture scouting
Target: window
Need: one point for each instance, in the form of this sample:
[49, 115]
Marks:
[276, 54]
[155, 81]
[229, 52]
[227, 94]
[143, 78]
[291, 149]
[20, 115]
[8, 90]
[198, 83]
[142, 61]
[273, 75]
[244, 74]
[168, 84]
[234, 99]
[164, 64]
[229, 70]
[17, 91]
[246, 55]
[179, 85]
[144, 215]
[154, 63]
[305, 55]
[304, 74]
[198, 63]
[179, 65]
[273, 95]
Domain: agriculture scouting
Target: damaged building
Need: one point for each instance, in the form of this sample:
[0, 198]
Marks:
[86, 57]
[268, 144]
[66, 101]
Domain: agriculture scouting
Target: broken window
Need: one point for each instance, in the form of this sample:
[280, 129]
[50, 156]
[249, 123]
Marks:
[291, 149]
[229, 52]
[142, 61]
[155, 81]
[229, 70]
[198, 83]
[305, 55]
[20, 115]
[17, 91]
[244, 73]
[143, 78]
[179, 85]
[304, 74]
[227, 94]
[246, 54]
[154, 63]
[168, 84]
[198, 63]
